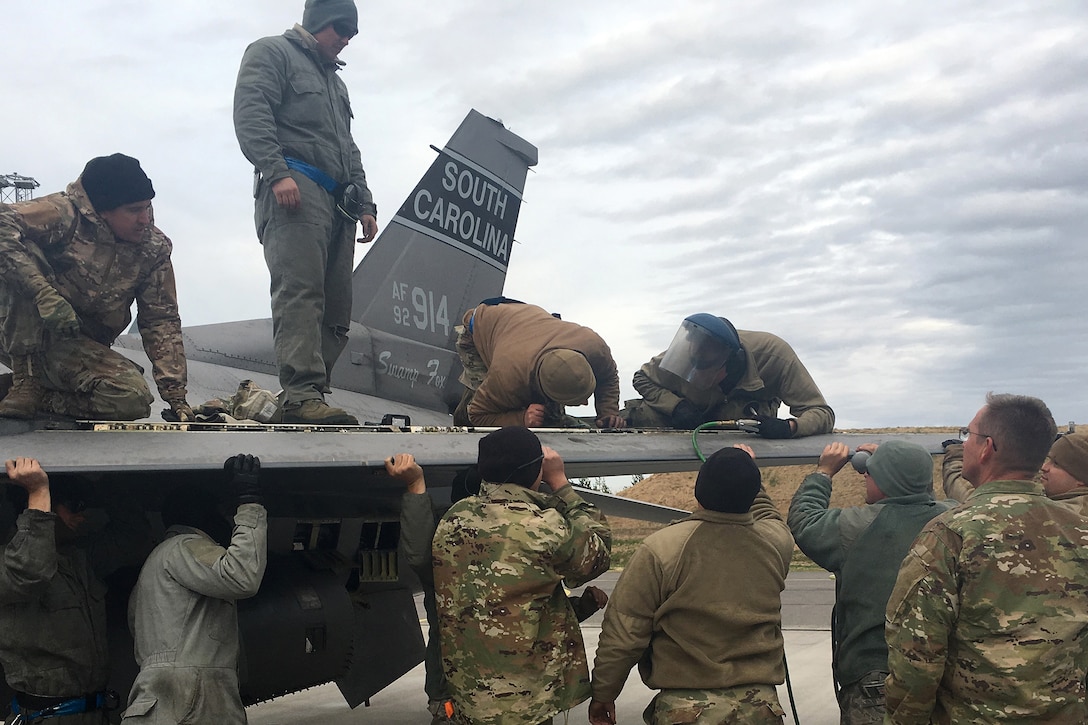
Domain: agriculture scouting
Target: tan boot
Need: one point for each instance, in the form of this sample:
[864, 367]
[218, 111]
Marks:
[25, 396]
[318, 412]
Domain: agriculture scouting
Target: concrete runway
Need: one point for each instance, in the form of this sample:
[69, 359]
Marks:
[806, 617]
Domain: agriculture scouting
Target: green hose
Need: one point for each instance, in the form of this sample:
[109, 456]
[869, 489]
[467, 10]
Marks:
[710, 425]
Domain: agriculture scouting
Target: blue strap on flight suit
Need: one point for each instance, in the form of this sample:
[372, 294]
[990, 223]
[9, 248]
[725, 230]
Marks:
[314, 174]
[74, 706]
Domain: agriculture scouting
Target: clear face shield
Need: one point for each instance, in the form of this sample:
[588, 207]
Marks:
[697, 355]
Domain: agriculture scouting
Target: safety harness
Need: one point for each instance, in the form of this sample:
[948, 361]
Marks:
[32, 708]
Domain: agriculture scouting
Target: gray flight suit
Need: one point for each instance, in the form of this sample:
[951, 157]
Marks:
[289, 102]
[185, 622]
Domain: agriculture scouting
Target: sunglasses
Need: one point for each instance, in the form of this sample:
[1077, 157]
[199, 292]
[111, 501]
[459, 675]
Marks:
[345, 29]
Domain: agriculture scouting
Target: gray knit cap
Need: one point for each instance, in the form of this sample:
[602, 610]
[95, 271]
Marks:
[1070, 453]
[900, 468]
[321, 13]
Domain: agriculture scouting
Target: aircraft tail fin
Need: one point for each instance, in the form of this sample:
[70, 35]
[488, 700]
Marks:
[446, 249]
[449, 244]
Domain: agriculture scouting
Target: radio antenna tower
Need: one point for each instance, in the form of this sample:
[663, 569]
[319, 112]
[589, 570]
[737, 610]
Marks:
[15, 188]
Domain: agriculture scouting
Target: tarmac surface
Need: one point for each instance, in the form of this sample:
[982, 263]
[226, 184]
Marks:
[806, 617]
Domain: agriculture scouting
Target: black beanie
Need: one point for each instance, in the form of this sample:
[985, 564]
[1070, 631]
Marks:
[198, 507]
[113, 181]
[728, 482]
[510, 455]
[320, 13]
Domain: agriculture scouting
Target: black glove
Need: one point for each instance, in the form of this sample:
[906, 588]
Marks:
[951, 442]
[686, 416]
[244, 473]
[584, 606]
[774, 427]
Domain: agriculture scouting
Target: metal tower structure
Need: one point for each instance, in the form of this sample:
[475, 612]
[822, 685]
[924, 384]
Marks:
[15, 187]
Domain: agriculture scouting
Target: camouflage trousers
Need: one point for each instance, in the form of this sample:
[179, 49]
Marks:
[83, 378]
[742, 705]
[473, 372]
[862, 702]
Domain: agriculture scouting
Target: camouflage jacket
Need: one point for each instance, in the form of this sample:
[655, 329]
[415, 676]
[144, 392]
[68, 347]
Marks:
[60, 241]
[52, 602]
[289, 102]
[774, 375]
[989, 615]
[510, 339]
[512, 648]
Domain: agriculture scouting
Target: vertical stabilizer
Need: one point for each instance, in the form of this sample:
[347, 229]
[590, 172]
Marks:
[447, 248]
[450, 242]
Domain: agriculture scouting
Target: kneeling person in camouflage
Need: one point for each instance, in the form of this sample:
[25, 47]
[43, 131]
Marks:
[71, 265]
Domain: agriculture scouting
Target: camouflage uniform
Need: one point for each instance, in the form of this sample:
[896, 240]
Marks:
[773, 375]
[59, 241]
[989, 615]
[52, 605]
[741, 705]
[511, 645]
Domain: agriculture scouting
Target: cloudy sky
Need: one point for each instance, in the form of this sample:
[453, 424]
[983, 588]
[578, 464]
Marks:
[900, 190]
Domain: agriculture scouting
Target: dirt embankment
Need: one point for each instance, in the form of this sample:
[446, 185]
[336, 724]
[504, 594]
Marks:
[678, 490]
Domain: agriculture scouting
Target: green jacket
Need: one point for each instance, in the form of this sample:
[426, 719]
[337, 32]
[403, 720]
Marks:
[53, 639]
[774, 375]
[290, 102]
[184, 621]
[699, 605]
[864, 547]
[511, 645]
[60, 241]
[988, 618]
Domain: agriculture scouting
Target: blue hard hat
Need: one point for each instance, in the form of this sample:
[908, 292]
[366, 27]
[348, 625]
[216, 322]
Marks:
[719, 327]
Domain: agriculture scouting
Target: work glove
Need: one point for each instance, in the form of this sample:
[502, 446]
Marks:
[686, 416]
[773, 427]
[244, 474]
[56, 312]
[178, 412]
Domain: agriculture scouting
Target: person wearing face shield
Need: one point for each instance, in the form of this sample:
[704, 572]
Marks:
[712, 371]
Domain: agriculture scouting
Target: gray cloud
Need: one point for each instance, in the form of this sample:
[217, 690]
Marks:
[898, 191]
